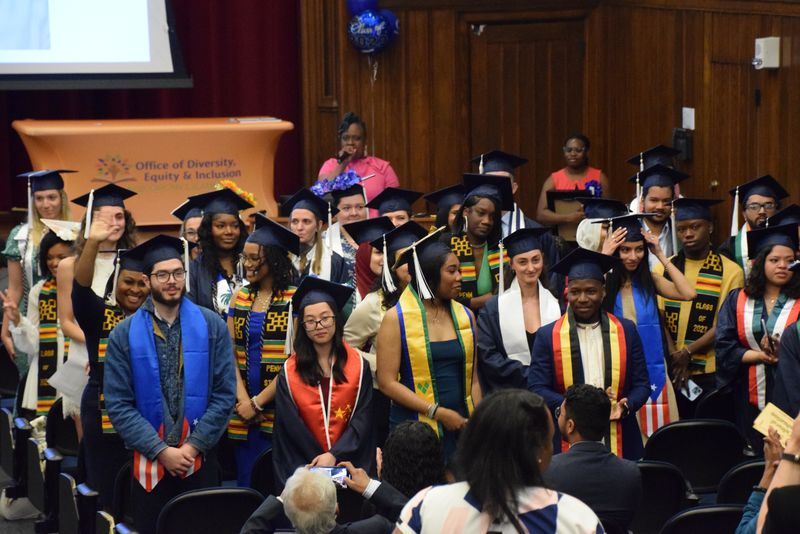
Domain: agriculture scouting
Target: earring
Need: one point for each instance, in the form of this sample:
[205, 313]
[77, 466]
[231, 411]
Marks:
[466, 223]
[366, 150]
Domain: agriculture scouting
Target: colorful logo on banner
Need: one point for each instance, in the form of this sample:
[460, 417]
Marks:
[113, 170]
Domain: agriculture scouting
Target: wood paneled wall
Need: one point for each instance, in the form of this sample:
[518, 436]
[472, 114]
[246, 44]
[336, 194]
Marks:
[436, 100]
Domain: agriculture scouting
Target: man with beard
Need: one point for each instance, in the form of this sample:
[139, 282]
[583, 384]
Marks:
[169, 384]
[657, 192]
[589, 346]
[692, 324]
[759, 199]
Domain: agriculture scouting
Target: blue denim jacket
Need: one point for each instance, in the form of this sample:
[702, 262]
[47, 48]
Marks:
[132, 427]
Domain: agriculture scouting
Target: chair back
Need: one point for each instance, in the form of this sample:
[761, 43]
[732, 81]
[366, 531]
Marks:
[35, 476]
[122, 506]
[718, 404]
[717, 519]
[6, 442]
[702, 449]
[664, 493]
[737, 484]
[9, 375]
[67, 507]
[218, 510]
[60, 433]
[103, 522]
[262, 477]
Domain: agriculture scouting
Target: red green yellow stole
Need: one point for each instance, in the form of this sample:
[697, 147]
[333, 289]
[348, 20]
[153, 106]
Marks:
[273, 343]
[748, 325]
[461, 247]
[48, 346]
[327, 421]
[416, 367]
[112, 316]
[568, 365]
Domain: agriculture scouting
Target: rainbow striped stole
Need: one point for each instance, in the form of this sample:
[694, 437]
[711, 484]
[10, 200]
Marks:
[48, 346]
[416, 367]
[273, 343]
[568, 365]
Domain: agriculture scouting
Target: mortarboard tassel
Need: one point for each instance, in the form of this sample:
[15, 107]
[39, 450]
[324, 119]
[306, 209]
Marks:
[288, 345]
[388, 283]
[502, 287]
[30, 205]
[423, 289]
[480, 165]
[638, 192]
[735, 216]
[186, 259]
[330, 224]
[672, 232]
[112, 299]
[89, 215]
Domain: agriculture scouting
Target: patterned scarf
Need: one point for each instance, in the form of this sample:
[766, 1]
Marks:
[461, 247]
[48, 346]
[112, 316]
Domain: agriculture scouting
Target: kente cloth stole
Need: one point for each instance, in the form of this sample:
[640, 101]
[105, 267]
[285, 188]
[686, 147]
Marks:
[416, 364]
[147, 383]
[112, 316]
[460, 246]
[748, 325]
[273, 343]
[568, 365]
[704, 307]
[327, 421]
[48, 347]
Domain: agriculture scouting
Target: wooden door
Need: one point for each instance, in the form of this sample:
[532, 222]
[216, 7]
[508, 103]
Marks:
[527, 94]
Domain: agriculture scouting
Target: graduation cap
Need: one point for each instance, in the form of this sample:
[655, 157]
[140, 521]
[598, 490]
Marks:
[447, 196]
[108, 195]
[220, 201]
[693, 208]
[160, 248]
[632, 222]
[44, 180]
[355, 189]
[423, 248]
[766, 186]
[394, 199]
[268, 233]
[788, 215]
[490, 186]
[759, 239]
[65, 230]
[498, 161]
[602, 208]
[657, 175]
[391, 243]
[657, 155]
[306, 200]
[582, 264]
[313, 290]
[187, 210]
[369, 230]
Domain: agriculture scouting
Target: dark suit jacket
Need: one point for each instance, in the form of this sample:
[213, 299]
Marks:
[610, 486]
[388, 501]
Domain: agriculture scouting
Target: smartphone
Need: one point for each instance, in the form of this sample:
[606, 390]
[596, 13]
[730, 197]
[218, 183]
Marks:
[337, 474]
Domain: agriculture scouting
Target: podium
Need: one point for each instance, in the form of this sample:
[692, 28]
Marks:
[163, 160]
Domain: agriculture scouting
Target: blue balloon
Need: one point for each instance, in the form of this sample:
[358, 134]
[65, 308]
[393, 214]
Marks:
[391, 19]
[359, 6]
[369, 32]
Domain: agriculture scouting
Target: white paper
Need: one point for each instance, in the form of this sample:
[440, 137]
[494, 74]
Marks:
[688, 118]
[70, 379]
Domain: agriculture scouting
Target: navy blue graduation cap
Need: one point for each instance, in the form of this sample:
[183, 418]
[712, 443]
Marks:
[759, 239]
[369, 230]
[187, 210]
[426, 247]
[686, 209]
[447, 196]
[399, 238]
[632, 222]
[44, 180]
[221, 201]
[602, 208]
[582, 264]
[394, 199]
[766, 186]
[306, 200]
[157, 249]
[524, 240]
[313, 290]
[498, 161]
[788, 215]
[490, 186]
[355, 189]
[657, 155]
[108, 195]
[268, 233]
[658, 175]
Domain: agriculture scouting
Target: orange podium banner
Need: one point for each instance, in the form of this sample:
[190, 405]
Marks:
[163, 160]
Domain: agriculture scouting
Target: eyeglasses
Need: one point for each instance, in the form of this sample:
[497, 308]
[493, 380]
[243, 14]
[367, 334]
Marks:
[256, 260]
[575, 149]
[757, 206]
[325, 322]
[353, 138]
[163, 276]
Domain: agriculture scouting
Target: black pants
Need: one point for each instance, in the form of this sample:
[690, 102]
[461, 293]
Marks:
[147, 506]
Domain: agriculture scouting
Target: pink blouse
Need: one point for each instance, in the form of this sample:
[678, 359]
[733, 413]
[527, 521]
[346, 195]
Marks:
[382, 169]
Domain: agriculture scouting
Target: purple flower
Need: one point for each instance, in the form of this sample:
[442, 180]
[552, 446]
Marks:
[343, 181]
[594, 188]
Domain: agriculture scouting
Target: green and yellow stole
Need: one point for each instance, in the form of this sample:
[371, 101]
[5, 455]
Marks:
[112, 316]
[568, 365]
[704, 307]
[48, 346]
[416, 367]
[273, 343]
[461, 247]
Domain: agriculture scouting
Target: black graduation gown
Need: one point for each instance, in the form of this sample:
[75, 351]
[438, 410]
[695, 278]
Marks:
[293, 445]
[786, 395]
[338, 271]
[727, 249]
[495, 369]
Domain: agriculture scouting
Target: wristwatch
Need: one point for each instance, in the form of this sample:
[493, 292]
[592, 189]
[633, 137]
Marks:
[791, 457]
